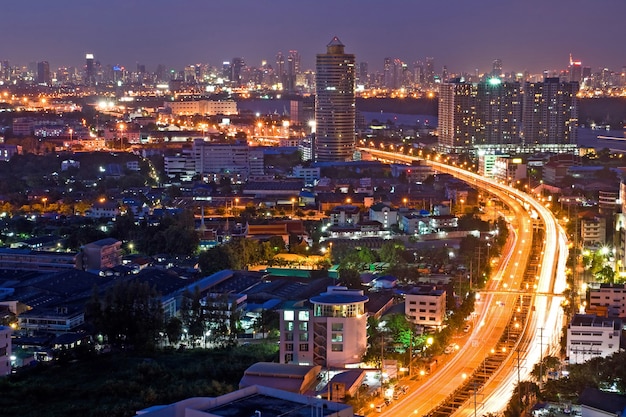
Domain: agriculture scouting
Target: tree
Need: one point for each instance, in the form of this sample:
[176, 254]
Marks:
[391, 252]
[216, 259]
[132, 315]
[174, 330]
[350, 278]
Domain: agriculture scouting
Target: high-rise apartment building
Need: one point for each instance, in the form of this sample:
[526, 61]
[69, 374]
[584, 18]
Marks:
[550, 113]
[335, 104]
[496, 115]
[486, 114]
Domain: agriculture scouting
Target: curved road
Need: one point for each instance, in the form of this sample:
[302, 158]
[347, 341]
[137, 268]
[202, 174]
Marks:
[494, 307]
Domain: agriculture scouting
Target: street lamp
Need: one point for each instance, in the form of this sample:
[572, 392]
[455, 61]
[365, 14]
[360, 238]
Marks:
[293, 206]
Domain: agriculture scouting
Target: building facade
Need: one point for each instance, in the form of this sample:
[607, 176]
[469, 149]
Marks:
[426, 306]
[5, 350]
[550, 113]
[335, 104]
[486, 115]
[236, 159]
[590, 336]
[333, 332]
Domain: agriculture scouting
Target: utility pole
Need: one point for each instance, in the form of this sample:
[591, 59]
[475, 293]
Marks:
[541, 358]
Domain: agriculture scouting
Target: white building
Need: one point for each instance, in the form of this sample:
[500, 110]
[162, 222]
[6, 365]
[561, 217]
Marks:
[331, 333]
[5, 350]
[590, 336]
[236, 159]
[385, 214]
[425, 306]
[346, 215]
[310, 175]
[592, 230]
[182, 165]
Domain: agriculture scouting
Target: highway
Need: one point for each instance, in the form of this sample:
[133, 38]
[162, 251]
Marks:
[522, 297]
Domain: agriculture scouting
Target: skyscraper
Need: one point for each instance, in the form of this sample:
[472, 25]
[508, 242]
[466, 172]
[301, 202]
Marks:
[43, 73]
[335, 104]
[550, 113]
[486, 114]
[90, 71]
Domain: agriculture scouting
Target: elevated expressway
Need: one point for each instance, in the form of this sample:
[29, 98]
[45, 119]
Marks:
[518, 316]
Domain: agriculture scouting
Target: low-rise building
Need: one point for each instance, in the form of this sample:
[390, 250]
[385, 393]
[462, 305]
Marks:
[331, 332]
[101, 254]
[5, 350]
[425, 306]
[610, 298]
[384, 213]
[255, 400]
[590, 336]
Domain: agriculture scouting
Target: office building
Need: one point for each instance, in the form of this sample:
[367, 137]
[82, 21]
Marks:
[330, 331]
[43, 73]
[90, 70]
[550, 113]
[335, 104]
[235, 160]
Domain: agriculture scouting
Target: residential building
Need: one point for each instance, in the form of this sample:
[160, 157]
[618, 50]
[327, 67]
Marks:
[590, 336]
[550, 113]
[384, 213]
[8, 151]
[592, 230]
[335, 104]
[485, 115]
[425, 306]
[331, 333]
[255, 400]
[101, 254]
[104, 209]
[345, 215]
[5, 350]
[610, 298]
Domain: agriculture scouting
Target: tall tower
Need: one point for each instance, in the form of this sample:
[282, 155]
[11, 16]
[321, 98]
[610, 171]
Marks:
[90, 71]
[550, 113]
[43, 73]
[487, 114]
[334, 104]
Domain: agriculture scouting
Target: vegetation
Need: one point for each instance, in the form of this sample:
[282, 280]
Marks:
[119, 385]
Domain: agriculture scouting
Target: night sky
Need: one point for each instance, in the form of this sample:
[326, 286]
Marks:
[463, 34]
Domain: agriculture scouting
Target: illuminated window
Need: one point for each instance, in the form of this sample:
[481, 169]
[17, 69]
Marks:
[288, 315]
[337, 347]
[303, 315]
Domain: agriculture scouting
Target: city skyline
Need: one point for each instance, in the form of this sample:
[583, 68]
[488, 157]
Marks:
[464, 36]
